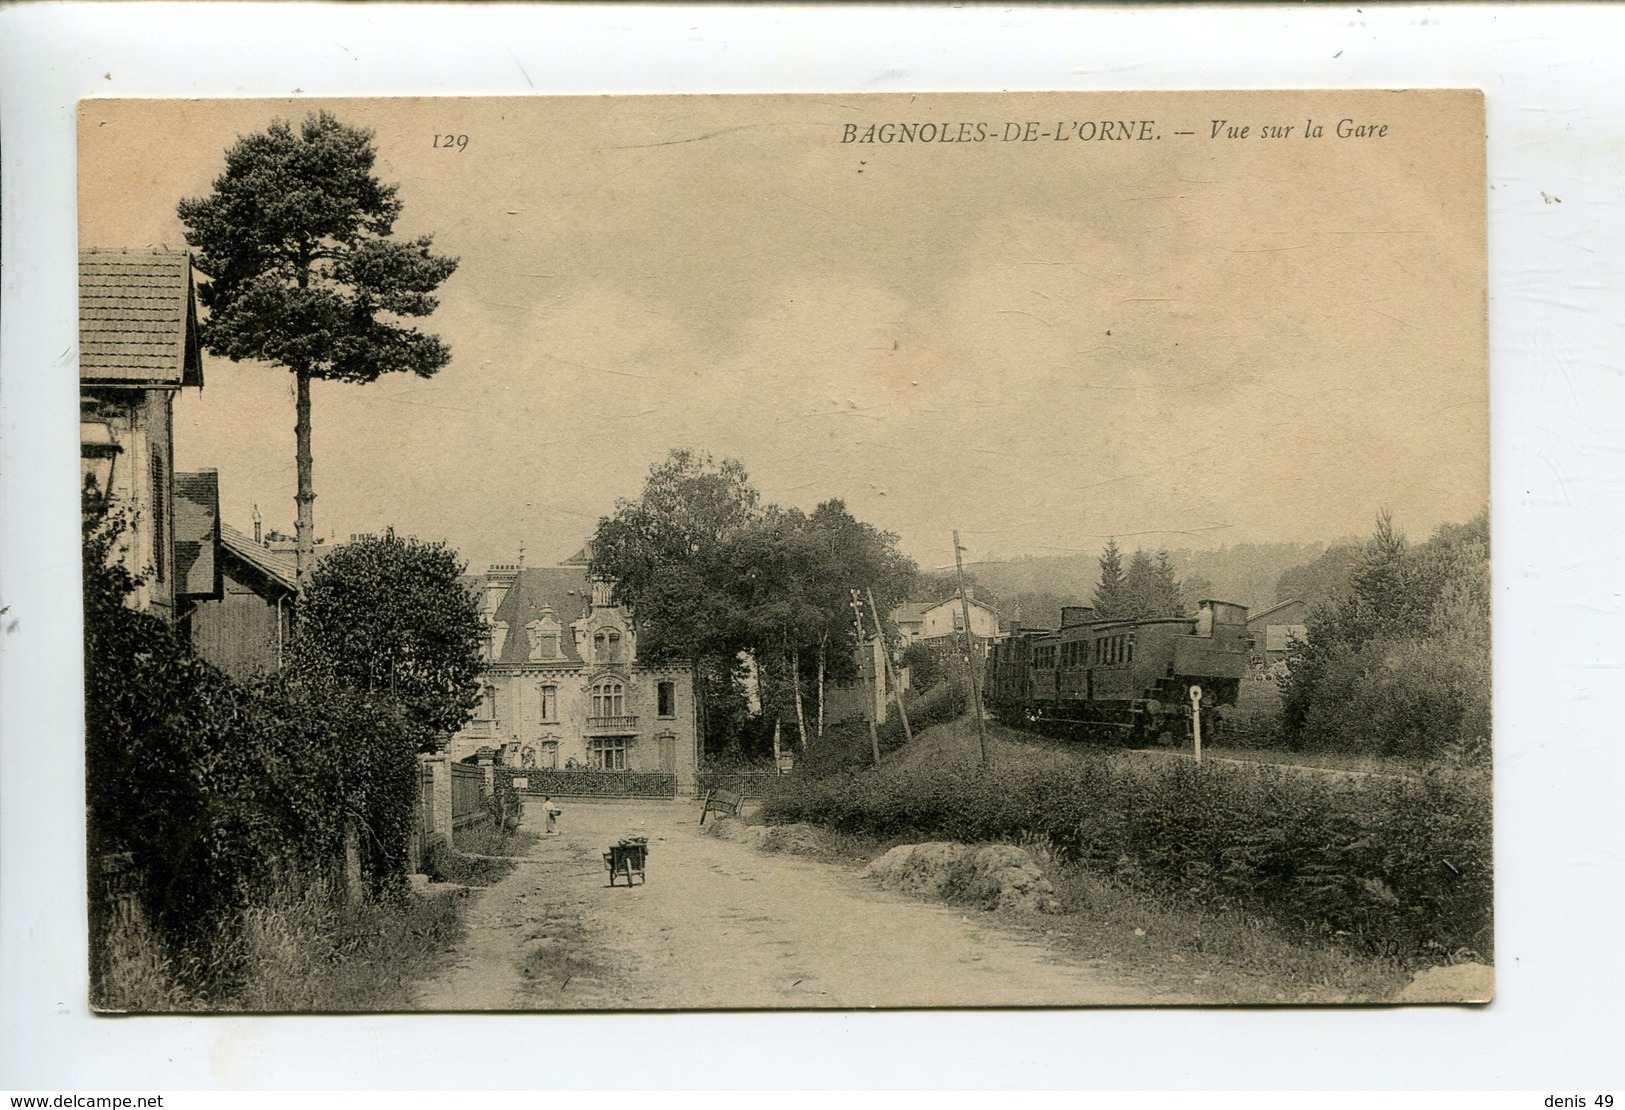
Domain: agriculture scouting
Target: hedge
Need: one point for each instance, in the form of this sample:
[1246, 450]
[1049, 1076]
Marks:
[590, 784]
[1401, 868]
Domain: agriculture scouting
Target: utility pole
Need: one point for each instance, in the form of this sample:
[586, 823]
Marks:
[874, 736]
[970, 651]
[891, 673]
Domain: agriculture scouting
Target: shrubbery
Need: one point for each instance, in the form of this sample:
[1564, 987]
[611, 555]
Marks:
[1400, 665]
[1399, 867]
[222, 793]
[587, 783]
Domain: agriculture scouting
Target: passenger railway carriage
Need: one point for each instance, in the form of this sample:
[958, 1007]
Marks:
[1126, 681]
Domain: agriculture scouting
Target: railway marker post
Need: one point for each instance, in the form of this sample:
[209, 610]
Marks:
[1196, 720]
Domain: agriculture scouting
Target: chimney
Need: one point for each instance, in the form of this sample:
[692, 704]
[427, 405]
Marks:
[257, 525]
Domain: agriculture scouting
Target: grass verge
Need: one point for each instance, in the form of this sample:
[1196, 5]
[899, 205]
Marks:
[300, 951]
[445, 864]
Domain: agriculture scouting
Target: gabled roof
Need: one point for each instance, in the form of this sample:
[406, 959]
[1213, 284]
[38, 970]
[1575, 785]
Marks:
[278, 566]
[954, 600]
[138, 319]
[535, 590]
[911, 612]
[1276, 608]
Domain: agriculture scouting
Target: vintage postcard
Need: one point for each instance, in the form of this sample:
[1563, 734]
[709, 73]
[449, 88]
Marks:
[786, 551]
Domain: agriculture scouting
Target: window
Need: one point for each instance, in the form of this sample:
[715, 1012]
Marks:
[666, 699]
[607, 753]
[607, 645]
[488, 702]
[548, 760]
[608, 699]
[544, 635]
[159, 501]
[550, 702]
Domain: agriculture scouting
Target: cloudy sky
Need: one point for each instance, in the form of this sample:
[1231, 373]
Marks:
[1186, 340]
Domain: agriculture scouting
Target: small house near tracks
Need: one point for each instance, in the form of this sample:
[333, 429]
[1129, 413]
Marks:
[1272, 629]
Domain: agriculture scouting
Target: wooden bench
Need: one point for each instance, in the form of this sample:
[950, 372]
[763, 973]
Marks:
[724, 803]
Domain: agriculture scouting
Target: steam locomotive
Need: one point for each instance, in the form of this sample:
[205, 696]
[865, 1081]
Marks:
[1123, 681]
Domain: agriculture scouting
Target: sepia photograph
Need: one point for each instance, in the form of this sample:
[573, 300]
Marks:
[786, 551]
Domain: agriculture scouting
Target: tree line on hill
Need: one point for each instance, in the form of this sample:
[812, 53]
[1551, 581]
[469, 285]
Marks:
[717, 577]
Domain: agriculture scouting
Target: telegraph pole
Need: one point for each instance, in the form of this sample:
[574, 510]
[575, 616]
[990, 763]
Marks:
[874, 736]
[970, 652]
[891, 674]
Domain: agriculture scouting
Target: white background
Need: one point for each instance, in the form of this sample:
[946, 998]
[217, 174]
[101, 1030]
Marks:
[1552, 76]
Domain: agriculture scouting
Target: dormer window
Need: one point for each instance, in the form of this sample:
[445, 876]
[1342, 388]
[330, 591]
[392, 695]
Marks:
[606, 644]
[544, 633]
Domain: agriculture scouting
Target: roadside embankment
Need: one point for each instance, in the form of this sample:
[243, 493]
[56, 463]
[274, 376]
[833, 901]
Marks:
[1393, 868]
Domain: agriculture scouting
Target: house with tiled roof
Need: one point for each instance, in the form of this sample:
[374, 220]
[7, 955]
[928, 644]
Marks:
[563, 687]
[138, 347]
[940, 620]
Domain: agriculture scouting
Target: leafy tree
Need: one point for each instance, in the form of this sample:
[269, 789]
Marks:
[664, 551]
[711, 572]
[1322, 580]
[388, 616]
[661, 550]
[303, 274]
[791, 576]
[776, 576]
[1400, 664]
[216, 790]
[1194, 588]
[1109, 599]
[857, 556]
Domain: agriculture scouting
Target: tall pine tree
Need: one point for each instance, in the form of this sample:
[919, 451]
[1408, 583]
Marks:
[1139, 587]
[1109, 592]
[303, 274]
[1166, 599]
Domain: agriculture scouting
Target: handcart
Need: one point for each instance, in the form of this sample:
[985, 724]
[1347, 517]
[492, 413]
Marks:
[628, 858]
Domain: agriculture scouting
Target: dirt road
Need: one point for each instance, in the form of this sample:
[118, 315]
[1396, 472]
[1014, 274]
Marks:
[721, 925]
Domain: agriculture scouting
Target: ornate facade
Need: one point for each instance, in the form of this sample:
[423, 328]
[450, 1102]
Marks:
[563, 688]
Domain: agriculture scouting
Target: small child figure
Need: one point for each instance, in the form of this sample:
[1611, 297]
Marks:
[551, 812]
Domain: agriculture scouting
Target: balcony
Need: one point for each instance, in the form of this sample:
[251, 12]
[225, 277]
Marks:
[480, 728]
[624, 724]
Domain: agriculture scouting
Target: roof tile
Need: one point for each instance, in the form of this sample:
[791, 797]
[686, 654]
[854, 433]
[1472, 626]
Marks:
[138, 318]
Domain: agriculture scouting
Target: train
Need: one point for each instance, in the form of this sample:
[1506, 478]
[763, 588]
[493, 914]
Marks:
[1130, 682]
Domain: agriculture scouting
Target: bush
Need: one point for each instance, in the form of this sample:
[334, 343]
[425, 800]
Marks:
[590, 784]
[1400, 665]
[1399, 867]
[220, 791]
[1413, 699]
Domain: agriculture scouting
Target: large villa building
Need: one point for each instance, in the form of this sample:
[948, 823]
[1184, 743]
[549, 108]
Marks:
[562, 687]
